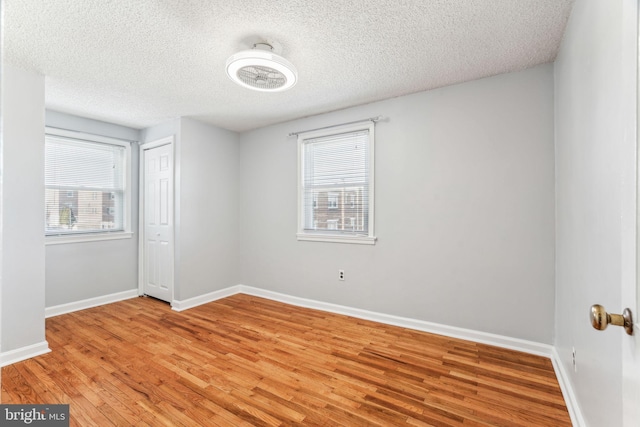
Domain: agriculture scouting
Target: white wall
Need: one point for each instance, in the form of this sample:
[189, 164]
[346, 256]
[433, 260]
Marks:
[23, 255]
[207, 215]
[80, 271]
[464, 210]
[595, 170]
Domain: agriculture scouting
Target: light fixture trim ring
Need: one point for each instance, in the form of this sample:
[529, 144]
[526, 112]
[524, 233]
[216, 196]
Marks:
[256, 57]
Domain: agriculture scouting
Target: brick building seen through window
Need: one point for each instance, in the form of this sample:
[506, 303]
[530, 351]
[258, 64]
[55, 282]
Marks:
[80, 210]
[340, 209]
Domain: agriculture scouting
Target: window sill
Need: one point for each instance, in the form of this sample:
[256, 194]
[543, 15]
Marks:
[358, 240]
[82, 238]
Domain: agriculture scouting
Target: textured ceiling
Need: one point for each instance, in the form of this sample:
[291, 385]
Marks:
[141, 62]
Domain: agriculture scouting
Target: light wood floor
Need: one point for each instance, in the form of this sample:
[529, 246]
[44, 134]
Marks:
[246, 361]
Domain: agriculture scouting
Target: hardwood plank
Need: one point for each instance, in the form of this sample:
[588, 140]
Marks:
[247, 361]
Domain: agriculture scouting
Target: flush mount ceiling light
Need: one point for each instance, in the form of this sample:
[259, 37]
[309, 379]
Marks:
[261, 69]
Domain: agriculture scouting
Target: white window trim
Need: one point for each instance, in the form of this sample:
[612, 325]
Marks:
[54, 239]
[87, 237]
[359, 240]
[310, 236]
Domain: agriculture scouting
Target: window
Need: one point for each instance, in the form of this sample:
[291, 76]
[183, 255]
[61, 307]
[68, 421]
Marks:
[332, 224]
[86, 185]
[336, 184]
[332, 202]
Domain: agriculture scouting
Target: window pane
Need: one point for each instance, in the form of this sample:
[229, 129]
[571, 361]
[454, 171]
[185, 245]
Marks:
[84, 186]
[83, 164]
[335, 183]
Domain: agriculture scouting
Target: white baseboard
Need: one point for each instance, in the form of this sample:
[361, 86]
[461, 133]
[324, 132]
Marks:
[57, 310]
[203, 299]
[577, 420]
[23, 353]
[530, 347]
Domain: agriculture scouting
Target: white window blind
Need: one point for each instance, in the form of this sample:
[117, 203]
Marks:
[336, 182]
[85, 185]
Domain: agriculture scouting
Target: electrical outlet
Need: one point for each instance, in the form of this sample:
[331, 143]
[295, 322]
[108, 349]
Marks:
[573, 359]
[341, 275]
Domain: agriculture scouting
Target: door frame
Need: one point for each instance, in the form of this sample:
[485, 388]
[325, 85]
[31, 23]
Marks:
[169, 140]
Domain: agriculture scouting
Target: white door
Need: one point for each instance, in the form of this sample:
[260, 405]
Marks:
[157, 273]
[631, 289]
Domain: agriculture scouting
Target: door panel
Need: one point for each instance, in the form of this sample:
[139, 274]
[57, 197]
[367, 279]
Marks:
[151, 270]
[164, 276]
[158, 222]
[164, 202]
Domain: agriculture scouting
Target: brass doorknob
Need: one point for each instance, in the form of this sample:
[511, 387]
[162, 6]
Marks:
[600, 319]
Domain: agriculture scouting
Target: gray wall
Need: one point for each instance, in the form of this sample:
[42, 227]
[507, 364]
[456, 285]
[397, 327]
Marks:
[61, 120]
[464, 210]
[162, 130]
[207, 217]
[595, 194]
[206, 212]
[79, 271]
[23, 255]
